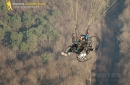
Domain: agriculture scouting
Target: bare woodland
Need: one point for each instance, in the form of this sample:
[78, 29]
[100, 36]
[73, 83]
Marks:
[112, 57]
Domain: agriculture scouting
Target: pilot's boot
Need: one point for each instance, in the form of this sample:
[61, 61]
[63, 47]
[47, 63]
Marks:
[66, 52]
[63, 53]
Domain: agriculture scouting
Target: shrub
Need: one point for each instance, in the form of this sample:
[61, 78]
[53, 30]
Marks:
[45, 58]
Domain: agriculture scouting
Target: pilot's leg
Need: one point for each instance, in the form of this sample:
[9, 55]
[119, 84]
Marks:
[78, 48]
[66, 52]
